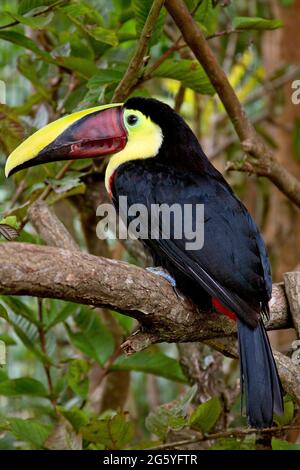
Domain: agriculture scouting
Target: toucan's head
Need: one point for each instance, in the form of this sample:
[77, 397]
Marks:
[139, 129]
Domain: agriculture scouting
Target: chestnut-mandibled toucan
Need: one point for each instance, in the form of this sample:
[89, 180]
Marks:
[155, 158]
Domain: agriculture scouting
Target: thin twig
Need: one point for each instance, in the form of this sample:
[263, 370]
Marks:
[130, 78]
[43, 348]
[225, 32]
[224, 434]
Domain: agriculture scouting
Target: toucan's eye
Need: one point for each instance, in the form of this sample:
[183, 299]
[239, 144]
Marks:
[132, 119]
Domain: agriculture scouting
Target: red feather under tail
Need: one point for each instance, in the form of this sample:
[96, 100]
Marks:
[223, 310]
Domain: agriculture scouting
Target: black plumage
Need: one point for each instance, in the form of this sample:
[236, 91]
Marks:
[232, 266]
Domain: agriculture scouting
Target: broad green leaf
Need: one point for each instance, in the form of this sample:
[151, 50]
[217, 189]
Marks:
[3, 313]
[22, 386]
[171, 416]
[104, 77]
[254, 23]
[62, 193]
[12, 221]
[27, 66]
[77, 10]
[141, 11]
[152, 363]
[234, 443]
[206, 415]
[8, 340]
[188, 72]
[29, 430]
[296, 139]
[75, 416]
[77, 377]
[287, 417]
[113, 433]
[104, 35]
[278, 444]
[2, 354]
[39, 22]
[93, 338]
[28, 334]
[85, 67]
[19, 307]
[26, 43]
[68, 309]
[25, 6]
[207, 16]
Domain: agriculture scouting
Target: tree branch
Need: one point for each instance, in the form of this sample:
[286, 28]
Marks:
[45, 271]
[130, 78]
[261, 160]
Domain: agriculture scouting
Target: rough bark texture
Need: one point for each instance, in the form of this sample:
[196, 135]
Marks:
[45, 271]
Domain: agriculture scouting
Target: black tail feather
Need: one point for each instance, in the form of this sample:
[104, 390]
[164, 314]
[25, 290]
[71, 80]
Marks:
[259, 377]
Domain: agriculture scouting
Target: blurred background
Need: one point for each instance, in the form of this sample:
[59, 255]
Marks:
[64, 385]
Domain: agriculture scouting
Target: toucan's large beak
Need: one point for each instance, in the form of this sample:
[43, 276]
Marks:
[91, 133]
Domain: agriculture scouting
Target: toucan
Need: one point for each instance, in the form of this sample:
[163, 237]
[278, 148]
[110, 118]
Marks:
[155, 158]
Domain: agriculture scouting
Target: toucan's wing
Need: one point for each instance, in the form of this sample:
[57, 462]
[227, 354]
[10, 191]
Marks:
[232, 265]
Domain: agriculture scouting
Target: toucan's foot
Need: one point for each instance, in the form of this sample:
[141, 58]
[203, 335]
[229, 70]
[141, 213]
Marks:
[162, 273]
[158, 271]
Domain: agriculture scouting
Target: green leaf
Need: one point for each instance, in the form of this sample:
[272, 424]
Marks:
[255, 23]
[26, 43]
[171, 416]
[278, 444]
[29, 430]
[75, 416]
[26, 6]
[188, 72]
[34, 23]
[68, 309]
[207, 16]
[12, 221]
[3, 313]
[20, 308]
[93, 339]
[104, 35]
[104, 77]
[141, 11]
[77, 377]
[153, 363]
[27, 332]
[113, 432]
[22, 386]
[296, 139]
[8, 340]
[2, 354]
[288, 414]
[233, 443]
[206, 415]
[84, 67]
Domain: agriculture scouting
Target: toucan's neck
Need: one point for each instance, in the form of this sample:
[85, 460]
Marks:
[181, 150]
